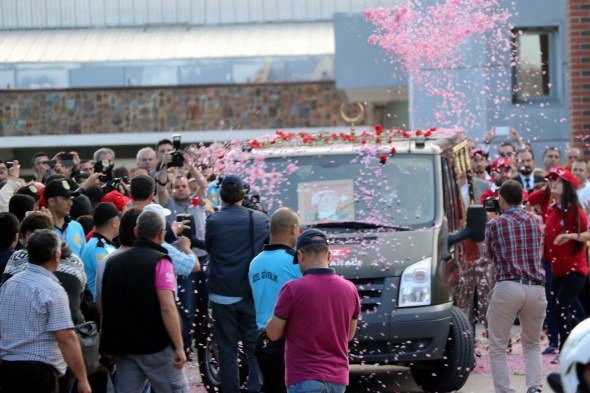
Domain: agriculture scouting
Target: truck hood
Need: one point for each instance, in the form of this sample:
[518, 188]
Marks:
[379, 254]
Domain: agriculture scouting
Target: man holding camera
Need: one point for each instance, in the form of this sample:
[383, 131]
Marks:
[182, 207]
[40, 167]
[233, 237]
[10, 186]
[514, 241]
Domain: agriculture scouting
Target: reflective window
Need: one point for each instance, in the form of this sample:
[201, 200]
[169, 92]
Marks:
[341, 188]
[532, 64]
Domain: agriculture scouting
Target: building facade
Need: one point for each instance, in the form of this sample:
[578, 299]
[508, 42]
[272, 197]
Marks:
[74, 72]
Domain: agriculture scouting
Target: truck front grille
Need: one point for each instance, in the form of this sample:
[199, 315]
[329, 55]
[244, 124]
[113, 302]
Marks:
[370, 291]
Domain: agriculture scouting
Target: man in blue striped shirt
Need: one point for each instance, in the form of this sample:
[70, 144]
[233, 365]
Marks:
[37, 338]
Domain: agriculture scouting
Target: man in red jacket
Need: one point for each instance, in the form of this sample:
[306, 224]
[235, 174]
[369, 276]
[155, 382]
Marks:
[500, 170]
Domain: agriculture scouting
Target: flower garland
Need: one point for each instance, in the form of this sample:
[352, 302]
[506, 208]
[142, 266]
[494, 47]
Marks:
[292, 139]
[233, 158]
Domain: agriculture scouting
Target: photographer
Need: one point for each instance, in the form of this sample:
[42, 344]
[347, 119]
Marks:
[112, 179]
[11, 185]
[181, 206]
[40, 167]
[233, 237]
[514, 241]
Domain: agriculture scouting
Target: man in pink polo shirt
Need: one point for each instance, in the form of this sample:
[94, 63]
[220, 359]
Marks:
[318, 315]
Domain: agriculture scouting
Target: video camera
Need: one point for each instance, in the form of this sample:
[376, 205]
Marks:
[252, 201]
[110, 183]
[492, 205]
[177, 154]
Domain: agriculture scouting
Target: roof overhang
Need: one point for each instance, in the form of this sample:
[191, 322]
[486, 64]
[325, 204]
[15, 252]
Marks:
[166, 43]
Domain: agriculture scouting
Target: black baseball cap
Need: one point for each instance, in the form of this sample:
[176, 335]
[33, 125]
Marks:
[233, 179]
[307, 238]
[104, 212]
[59, 187]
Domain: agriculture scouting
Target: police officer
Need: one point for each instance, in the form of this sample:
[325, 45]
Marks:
[58, 197]
[106, 221]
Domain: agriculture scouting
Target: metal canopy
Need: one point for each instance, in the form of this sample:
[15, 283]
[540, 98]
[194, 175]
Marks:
[166, 43]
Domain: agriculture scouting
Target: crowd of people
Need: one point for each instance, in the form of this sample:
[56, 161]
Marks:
[537, 241]
[145, 252]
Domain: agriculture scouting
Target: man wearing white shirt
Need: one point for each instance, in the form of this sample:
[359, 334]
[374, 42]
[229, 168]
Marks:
[580, 170]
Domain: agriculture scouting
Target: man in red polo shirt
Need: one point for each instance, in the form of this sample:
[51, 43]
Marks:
[500, 170]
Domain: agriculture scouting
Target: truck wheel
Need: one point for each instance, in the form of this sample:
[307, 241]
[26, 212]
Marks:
[208, 360]
[451, 372]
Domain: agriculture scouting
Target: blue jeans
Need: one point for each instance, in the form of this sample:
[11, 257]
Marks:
[232, 323]
[313, 386]
[186, 307]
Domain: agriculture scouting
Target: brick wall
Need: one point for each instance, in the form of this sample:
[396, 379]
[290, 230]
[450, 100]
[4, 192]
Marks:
[97, 111]
[579, 64]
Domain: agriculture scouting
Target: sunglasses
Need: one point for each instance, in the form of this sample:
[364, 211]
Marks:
[507, 154]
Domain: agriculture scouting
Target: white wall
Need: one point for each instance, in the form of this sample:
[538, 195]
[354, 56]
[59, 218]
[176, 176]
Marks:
[21, 14]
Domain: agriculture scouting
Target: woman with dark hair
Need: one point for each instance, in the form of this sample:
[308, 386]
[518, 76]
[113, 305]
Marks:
[541, 199]
[568, 260]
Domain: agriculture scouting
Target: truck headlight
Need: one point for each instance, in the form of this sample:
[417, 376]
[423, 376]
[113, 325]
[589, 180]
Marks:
[415, 285]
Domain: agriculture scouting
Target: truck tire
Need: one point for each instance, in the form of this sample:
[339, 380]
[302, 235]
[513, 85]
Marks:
[208, 364]
[451, 372]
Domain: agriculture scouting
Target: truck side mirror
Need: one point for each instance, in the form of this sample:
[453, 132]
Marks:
[475, 228]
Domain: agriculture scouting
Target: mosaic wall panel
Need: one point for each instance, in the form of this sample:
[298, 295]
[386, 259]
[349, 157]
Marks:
[169, 109]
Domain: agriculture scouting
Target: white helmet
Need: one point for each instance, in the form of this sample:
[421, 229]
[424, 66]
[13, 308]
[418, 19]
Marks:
[576, 351]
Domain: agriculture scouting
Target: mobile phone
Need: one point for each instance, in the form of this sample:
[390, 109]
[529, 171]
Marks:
[501, 131]
[9, 164]
[67, 159]
[183, 217]
[51, 163]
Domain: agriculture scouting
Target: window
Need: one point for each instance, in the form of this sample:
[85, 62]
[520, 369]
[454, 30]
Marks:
[348, 187]
[452, 208]
[533, 64]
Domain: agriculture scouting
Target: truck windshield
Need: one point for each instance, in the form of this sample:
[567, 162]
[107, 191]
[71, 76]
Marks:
[331, 189]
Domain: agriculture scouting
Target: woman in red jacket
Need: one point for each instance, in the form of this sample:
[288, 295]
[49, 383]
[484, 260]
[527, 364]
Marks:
[568, 260]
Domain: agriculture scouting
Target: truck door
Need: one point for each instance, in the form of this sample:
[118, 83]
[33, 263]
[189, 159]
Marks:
[457, 269]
